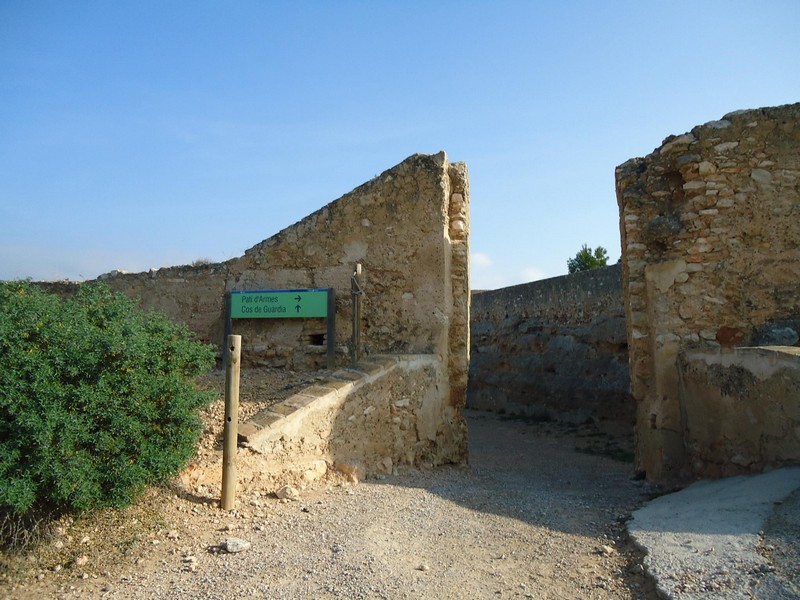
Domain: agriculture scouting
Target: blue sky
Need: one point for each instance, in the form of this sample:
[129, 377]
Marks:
[147, 134]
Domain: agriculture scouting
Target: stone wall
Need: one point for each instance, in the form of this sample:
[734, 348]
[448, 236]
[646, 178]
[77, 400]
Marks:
[555, 348]
[408, 227]
[710, 227]
[364, 421]
[741, 409]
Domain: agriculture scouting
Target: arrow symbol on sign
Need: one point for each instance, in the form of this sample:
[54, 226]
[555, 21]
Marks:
[297, 298]
[297, 308]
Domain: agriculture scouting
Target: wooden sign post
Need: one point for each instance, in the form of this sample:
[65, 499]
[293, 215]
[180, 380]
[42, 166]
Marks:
[230, 431]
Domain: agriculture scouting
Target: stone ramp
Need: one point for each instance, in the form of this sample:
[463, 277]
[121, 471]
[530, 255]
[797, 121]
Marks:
[364, 420]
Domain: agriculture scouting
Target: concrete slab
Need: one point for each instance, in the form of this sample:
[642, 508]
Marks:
[703, 542]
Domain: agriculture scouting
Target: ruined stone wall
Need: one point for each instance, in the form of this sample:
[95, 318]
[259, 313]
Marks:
[408, 227]
[358, 422]
[742, 409]
[710, 227]
[555, 348]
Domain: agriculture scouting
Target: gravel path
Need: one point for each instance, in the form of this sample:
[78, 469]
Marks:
[782, 545]
[531, 517]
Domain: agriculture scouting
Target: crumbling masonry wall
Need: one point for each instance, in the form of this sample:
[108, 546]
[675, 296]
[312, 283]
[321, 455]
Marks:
[408, 227]
[555, 349]
[710, 228]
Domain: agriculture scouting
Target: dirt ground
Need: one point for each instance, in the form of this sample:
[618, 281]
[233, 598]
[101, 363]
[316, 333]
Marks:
[538, 513]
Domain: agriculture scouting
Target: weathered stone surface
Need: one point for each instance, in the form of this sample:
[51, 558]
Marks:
[742, 409]
[782, 333]
[736, 197]
[555, 348]
[662, 229]
[390, 418]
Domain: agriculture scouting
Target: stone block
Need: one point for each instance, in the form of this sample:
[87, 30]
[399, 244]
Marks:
[266, 418]
[283, 408]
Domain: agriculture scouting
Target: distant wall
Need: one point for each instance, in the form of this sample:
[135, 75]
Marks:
[554, 348]
[710, 227]
[408, 227]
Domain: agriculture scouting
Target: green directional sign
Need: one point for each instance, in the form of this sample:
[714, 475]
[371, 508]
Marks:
[279, 304]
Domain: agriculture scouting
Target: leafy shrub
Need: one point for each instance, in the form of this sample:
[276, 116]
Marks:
[96, 400]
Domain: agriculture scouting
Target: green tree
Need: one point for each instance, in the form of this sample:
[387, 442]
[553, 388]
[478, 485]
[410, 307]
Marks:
[585, 259]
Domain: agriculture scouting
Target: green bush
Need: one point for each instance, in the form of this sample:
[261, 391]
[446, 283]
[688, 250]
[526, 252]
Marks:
[96, 399]
[585, 260]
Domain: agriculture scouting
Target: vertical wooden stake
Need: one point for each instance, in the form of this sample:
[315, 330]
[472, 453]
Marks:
[230, 431]
[330, 360]
[355, 292]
